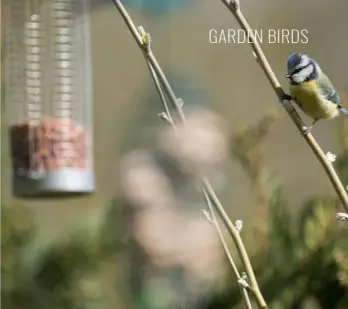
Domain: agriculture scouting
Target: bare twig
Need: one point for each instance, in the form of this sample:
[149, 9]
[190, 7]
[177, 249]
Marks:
[166, 115]
[234, 8]
[158, 75]
[225, 247]
[143, 41]
[150, 58]
[239, 244]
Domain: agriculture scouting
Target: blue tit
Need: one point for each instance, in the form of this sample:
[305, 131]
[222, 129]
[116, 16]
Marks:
[312, 90]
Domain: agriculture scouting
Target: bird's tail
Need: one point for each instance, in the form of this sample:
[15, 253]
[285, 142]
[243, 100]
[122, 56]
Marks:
[344, 111]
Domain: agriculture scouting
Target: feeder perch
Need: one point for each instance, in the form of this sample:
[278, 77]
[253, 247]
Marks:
[48, 96]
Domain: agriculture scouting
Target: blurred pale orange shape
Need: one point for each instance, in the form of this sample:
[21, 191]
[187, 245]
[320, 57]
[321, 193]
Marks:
[143, 183]
[198, 145]
[157, 230]
[200, 249]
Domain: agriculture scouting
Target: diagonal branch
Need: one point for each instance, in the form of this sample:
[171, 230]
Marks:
[234, 8]
[225, 247]
[150, 58]
[239, 244]
[166, 115]
[143, 40]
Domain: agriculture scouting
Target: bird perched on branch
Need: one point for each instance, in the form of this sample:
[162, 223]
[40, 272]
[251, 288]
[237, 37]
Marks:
[312, 90]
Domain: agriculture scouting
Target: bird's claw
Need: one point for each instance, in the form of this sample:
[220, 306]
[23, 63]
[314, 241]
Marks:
[286, 97]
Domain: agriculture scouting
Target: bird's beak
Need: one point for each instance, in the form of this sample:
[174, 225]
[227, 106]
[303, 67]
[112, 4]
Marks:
[287, 75]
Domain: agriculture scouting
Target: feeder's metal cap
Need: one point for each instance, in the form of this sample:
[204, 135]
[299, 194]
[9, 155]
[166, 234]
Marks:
[60, 183]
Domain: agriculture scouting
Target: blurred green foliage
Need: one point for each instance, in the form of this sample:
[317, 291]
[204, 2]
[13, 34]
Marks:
[301, 257]
[306, 256]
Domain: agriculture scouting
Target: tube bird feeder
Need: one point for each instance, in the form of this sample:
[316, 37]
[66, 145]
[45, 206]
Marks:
[48, 96]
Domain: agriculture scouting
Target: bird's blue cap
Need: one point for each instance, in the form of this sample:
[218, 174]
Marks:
[294, 60]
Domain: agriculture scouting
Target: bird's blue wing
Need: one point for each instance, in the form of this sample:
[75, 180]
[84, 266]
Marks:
[333, 97]
[327, 90]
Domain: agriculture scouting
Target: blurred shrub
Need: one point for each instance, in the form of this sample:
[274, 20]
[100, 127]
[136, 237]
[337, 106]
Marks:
[99, 260]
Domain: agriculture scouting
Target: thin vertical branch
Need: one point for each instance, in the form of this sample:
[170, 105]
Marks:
[167, 114]
[157, 74]
[159, 90]
[234, 8]
[150, 57]
[238, 242]
[244, 291]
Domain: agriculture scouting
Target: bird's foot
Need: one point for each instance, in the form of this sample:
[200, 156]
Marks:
[286, 97]
[307, 131]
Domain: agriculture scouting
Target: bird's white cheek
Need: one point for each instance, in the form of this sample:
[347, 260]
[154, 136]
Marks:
[297, 78]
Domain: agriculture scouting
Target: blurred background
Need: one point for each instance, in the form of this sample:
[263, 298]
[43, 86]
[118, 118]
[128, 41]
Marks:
[141, 240]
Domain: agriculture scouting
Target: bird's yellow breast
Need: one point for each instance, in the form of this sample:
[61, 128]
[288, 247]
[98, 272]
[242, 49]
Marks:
[308, 97]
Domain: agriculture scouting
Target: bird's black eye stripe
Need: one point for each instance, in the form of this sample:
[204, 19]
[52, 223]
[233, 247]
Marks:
[300, 69]
[297, 70]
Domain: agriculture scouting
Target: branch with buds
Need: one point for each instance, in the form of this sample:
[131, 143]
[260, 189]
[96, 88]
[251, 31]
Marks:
[144, 42]
[212, 218]
[234, 7]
